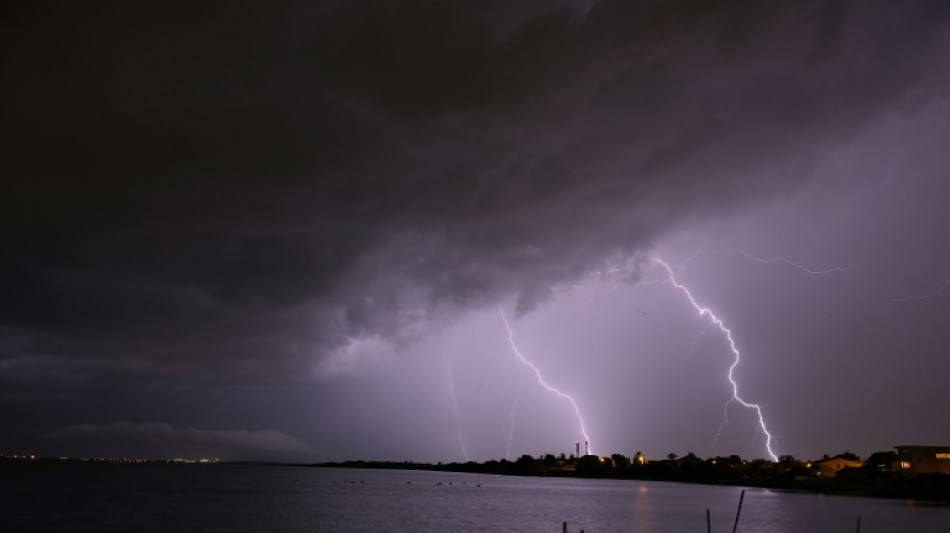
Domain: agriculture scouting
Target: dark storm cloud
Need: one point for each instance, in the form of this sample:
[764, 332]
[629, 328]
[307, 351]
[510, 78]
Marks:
[243, 187]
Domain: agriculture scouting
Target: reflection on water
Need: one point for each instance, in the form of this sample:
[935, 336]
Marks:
[269, 498]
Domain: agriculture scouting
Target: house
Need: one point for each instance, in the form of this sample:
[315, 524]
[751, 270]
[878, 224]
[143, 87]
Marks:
[830, 467]
[915, 459]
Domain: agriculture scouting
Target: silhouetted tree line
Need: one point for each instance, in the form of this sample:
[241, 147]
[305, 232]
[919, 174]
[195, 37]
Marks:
[875, 478]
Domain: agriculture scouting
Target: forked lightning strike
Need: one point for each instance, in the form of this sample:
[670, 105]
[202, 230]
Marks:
[735, 351]
[455, 407]
[537, 374]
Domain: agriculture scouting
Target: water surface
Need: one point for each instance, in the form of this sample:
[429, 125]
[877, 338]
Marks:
[236, 498]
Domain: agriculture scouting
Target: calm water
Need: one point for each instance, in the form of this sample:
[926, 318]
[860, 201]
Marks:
[268, 498]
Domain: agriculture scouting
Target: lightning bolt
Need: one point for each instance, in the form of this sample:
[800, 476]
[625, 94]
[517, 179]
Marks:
[799, 266]
[455, 407]
[698, 335]
[510, 425]
[690, 259]
[725, 421]
[705, 311]
[913, 297]
[537, 374]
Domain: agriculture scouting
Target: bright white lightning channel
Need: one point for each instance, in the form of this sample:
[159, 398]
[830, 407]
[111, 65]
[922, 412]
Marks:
[537, 374]
[455, 407]
[735, 351]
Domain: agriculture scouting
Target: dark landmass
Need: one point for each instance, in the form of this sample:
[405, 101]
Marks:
[46, 461]
[874, 479]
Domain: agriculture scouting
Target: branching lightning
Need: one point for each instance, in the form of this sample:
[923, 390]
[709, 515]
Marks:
[725, 420]
[803, 268]
[705, 311]
[537, 374]
[455, 407]
[698, 335]
[932, 294]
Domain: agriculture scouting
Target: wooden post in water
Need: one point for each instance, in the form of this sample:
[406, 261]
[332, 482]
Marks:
[563, 527]
[739, 510]
[708, 527]
[859, 524]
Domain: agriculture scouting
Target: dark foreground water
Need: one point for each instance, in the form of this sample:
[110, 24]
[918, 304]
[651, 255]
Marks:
[235, 498]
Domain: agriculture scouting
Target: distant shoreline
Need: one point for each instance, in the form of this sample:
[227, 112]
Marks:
[863, 482]
[933, 490]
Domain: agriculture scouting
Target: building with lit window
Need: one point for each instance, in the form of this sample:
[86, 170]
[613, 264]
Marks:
[923, 459]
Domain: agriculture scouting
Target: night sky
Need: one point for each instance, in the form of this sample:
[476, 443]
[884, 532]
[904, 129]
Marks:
[294, 230]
